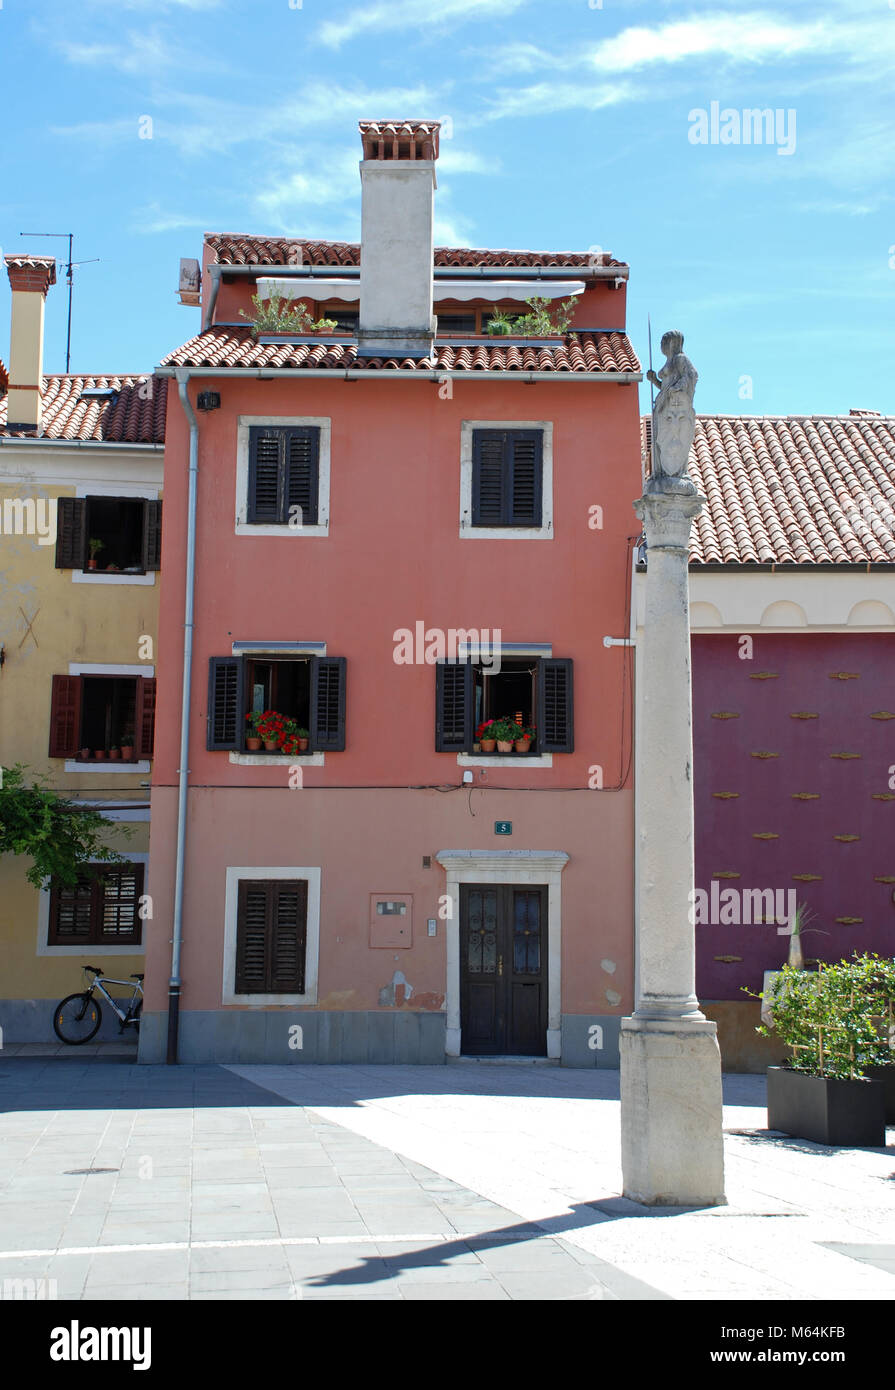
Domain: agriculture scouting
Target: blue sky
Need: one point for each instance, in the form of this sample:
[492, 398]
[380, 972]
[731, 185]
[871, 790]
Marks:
[569, 125]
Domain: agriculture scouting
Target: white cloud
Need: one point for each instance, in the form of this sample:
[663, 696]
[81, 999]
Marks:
[140, 54]
[559, 96]
[455, 161]
[745, 38]
[411, 14]
[152, 219]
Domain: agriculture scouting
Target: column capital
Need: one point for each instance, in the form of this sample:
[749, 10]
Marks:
[667, 508]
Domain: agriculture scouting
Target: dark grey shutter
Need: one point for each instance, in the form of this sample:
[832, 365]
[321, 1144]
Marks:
[288, 917]
[251, 937]
[225, 702]
[327, 704]
[488, 477]
[526, 473]
[554, 718]
[71, 533]
[152, 535]
[507, 477]
[266, 474]
[302, 468]
[271, 932]
[454, 707]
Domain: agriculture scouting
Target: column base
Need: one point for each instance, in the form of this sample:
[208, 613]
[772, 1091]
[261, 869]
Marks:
[672, 1150]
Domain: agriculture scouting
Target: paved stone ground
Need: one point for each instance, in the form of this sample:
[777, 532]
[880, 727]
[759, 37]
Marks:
[465, 1181]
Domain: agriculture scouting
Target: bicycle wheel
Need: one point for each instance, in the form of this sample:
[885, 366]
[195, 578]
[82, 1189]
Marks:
[77, 1018]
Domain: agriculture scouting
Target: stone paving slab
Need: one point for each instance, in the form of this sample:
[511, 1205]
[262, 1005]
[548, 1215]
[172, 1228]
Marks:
[221, 1189]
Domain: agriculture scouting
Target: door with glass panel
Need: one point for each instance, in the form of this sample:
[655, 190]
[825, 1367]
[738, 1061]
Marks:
[503, 970]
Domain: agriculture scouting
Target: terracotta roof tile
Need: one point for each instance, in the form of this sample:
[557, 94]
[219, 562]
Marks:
[133, 414]
[794, 490]
[264, 250]
[226, 347]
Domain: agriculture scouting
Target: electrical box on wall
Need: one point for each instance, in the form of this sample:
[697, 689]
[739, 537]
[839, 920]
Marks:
[391, 919]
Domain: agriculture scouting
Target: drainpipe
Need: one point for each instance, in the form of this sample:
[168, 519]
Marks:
[174, 984]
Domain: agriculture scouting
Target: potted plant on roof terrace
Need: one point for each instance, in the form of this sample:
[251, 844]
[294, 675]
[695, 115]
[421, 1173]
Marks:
[279, 315]
[545, 319]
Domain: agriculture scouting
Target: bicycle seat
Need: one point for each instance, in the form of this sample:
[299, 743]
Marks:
[95, 970]
[137, 977]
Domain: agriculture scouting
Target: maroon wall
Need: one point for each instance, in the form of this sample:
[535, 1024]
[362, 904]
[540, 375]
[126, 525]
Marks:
[788, 675]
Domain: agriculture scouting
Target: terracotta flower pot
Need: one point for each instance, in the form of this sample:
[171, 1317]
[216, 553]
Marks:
[271, 745]
[83, 755]
[127, 752]
[99, 754]
[253, 744]
[504, 746]
[523, 745]
[488, 745]
[302, 745]
[91, 564]
[115, 754]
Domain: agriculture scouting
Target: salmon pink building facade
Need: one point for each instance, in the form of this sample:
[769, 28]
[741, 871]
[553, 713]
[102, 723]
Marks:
[383, 534]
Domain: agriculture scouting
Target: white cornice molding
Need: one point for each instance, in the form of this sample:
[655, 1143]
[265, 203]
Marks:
[786, 601]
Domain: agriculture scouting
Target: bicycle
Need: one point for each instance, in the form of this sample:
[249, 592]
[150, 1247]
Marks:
[77, 1017]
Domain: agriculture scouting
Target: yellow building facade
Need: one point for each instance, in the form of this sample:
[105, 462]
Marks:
[81, 469]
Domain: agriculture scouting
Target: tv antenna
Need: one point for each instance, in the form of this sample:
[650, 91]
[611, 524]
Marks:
[70, 267]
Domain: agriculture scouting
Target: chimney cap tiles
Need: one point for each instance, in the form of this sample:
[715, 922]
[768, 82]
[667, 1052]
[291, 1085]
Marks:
[34, 273]
[400, 139]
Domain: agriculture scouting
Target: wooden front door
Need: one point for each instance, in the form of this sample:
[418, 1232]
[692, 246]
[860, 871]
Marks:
[503, 970]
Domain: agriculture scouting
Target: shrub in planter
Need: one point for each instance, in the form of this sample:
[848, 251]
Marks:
[828, 1021]
[302, 735]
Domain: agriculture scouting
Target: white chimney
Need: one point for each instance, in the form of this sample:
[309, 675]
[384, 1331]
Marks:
[397, 239]
[30, 277]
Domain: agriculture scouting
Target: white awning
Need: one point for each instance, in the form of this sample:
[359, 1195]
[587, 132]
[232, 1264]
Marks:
[312, 288]
[491, 291]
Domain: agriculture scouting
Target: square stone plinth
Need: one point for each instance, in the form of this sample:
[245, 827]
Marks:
[672, 1153]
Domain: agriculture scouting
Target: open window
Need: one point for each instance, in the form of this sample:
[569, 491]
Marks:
[102, 718]
[308, 690]
[109, 535]
[533, 691]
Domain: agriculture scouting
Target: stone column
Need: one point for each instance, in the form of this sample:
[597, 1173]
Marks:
[670, 1063]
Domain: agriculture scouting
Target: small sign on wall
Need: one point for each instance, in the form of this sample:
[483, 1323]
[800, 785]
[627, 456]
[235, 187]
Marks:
[503, 827]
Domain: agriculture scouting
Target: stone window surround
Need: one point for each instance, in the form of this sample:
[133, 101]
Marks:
[135, 948]
[519, 867]
[131, 491]
[243, 425]
[93, 668]
[544, 532]
[312, 937]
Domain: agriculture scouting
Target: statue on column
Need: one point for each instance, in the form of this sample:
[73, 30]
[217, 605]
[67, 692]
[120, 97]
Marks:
[674, 419]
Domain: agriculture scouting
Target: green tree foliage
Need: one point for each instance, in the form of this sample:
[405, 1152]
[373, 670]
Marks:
[59, 836]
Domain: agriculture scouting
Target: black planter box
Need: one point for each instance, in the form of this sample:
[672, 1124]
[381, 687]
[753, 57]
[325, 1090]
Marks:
[826, 1109]
[886, 1074]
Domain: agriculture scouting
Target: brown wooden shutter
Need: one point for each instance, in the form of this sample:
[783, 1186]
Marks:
[302, 453]
[152, 535]
[454, 707]
[266, 474]
[144, 717]
[118, 892]
[225, 699]
[71, 533]
[271, 930]
[327, 704]
[554, 718]
[71, 916]
[65, 716]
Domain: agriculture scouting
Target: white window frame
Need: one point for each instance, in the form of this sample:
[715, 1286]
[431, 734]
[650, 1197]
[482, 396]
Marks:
[93, 668]
[544, 532]
[132, 492]
[244, 424]
[43, 925]
[312, 938]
